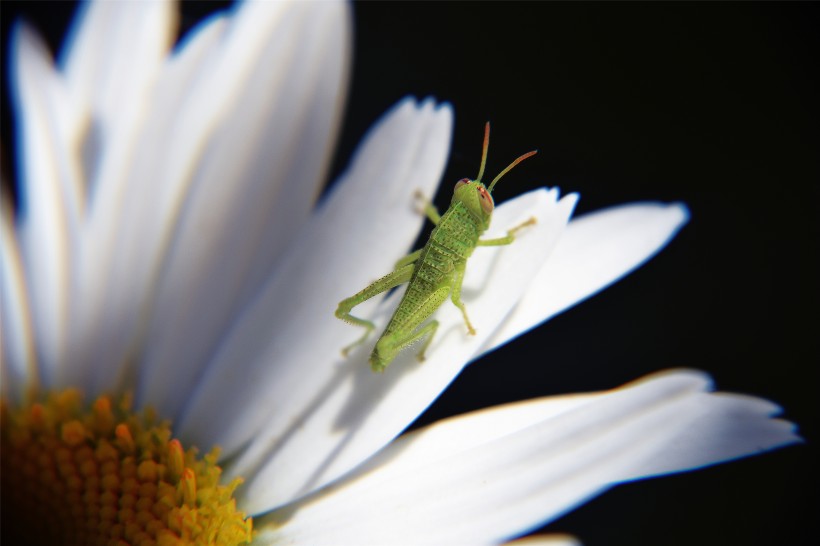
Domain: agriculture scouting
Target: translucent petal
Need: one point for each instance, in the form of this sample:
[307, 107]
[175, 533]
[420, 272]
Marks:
[494, 474]
[596, 250]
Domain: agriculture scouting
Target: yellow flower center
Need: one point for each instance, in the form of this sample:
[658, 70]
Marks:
[70, 474]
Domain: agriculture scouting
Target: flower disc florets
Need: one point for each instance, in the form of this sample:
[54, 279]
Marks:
[73, 474]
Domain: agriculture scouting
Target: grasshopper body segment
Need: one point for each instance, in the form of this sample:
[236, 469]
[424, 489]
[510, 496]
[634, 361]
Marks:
[435, 272]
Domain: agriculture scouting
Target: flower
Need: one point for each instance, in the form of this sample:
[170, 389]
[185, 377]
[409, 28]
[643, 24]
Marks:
[167, 245]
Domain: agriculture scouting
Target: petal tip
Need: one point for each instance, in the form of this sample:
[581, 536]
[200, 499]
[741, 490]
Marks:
[682, 212]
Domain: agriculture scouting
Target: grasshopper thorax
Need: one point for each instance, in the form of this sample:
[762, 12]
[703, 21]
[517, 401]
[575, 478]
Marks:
[473, 194]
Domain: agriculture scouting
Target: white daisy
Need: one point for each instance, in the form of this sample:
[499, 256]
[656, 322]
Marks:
[168, 245]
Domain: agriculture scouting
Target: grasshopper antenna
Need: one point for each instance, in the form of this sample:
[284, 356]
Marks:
[510, 166]
[484, 151]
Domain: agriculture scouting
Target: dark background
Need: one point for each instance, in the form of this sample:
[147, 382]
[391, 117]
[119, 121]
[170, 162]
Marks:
[713, 105]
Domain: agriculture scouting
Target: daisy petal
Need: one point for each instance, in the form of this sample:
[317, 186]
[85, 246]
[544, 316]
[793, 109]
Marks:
[546, 540]
[254, 190]
[131, 218]
[494, 474]
[273, 355]
[357, 412]
[596, 250]
[48, 222]
[16, 336]
[113, 54]
[110, 60]
[204, 188]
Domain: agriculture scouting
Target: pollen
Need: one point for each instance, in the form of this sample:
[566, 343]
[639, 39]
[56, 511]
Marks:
[71, 474]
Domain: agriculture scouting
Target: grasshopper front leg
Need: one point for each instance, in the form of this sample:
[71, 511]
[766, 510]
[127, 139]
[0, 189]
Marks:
[510, 237]
[455, 297]
[429, 209]
[399, 276]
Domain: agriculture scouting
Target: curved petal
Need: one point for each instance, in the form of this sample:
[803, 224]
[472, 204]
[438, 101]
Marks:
[596, 250]
[355, 412]
[114, 202]
[17, 359]
[110, 59]
[280, 355]
[254, 190]
[47, 226]
[546, 540]
[487, 476]
[203, 189]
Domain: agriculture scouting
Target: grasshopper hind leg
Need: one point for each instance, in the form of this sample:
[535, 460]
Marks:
[386, 348]
[401, 275]
[369, 326]
[393, 342]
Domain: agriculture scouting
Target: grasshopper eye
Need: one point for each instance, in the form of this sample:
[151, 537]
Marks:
[461, 183]
[486, 200]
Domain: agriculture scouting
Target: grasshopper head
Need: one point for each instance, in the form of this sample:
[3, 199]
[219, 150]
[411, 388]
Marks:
[473, 194]
[476, 198]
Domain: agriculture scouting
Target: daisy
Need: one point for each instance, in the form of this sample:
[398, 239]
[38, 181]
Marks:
[168, 283]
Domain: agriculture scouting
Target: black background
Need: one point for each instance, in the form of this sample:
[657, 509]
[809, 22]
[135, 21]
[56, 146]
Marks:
[712, 105]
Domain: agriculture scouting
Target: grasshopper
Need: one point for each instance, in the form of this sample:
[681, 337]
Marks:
[434, 272]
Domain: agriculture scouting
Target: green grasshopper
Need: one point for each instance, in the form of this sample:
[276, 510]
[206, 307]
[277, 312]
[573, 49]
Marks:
[435, 271]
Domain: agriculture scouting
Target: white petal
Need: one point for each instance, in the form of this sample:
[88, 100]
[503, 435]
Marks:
[282, 353]
[596, 250]
[356, 412]
[130, 209]
[112, 59]
[48, 223]
[488, 476]
[113, 54]
[255, 189]
[546, 540]
[210, 182]
[17, 356]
